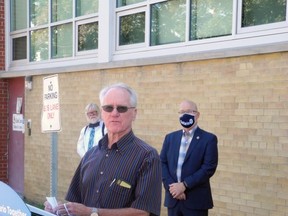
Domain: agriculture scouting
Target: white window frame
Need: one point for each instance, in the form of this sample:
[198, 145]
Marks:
[127, 13]
[83, 22]
[21, 61]
[259, 28]
[109, 53]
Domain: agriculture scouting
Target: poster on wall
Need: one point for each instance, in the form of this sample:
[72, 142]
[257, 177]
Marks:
[19, 105]
[50, 120]
[18, 123]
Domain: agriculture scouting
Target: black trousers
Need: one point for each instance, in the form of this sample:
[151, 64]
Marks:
[181, 210]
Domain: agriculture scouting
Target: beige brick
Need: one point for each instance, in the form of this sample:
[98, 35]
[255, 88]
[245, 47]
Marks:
[243, 100]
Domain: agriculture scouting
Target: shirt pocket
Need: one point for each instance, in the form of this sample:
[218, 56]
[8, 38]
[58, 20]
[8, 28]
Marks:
[119, 194]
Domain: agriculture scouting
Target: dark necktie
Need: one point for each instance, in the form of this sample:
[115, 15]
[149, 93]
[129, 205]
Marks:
[94, 125]
[92, 133]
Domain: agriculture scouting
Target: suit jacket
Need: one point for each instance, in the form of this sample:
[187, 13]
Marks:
[199, 165]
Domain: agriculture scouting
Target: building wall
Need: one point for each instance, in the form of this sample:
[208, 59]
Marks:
[3, 130]
[243, 100]
[3, 103]
[2, 35]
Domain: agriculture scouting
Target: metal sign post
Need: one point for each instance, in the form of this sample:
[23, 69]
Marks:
[54, 164]
[50, 122]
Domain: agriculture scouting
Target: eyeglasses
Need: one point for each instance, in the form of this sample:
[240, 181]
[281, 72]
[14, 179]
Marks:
[187, 111]
[120, 109]
[92, 113]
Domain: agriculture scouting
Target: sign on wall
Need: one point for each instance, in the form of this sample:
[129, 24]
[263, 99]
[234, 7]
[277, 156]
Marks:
[50, 121]
[18, 123]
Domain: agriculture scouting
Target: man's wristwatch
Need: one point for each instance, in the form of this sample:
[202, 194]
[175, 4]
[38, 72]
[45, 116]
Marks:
[94, 212]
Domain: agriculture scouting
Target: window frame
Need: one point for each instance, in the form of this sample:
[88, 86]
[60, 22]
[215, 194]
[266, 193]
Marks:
[127, 13]
[15, 36]
[77, 24]
[258, 28]
[109, 52]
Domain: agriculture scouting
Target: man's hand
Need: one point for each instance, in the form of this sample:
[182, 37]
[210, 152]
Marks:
[73, 208]
[177, 190]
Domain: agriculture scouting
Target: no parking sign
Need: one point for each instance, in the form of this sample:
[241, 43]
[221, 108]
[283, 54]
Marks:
[51, 105]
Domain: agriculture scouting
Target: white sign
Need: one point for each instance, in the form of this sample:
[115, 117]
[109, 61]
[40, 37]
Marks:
[18, 122]
[19, 105]
[51, 105]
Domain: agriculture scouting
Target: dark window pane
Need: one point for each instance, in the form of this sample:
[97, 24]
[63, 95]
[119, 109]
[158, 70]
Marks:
[19, 48]
[88, 36]
[256, 12]
[132, 29]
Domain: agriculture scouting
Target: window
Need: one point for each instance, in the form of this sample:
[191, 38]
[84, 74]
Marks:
[263, 12]
[39, 45]
[88, 36]
[168, 22]
[19, 48]
[84, 7]
[121, 3]
[56, 28]
[51, 31]
[62, 10]
[132, 29]
[38, 12]
[209, 18]
[174, 21]
[62, 41]
[18, 15]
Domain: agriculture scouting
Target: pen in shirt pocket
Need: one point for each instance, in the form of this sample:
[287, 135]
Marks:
[112, 182]
[123, 184]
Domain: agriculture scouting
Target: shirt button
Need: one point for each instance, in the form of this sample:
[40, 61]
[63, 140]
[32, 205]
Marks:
[107, 155]
[101, 173]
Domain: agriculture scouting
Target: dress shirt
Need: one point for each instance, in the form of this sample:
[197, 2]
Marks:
[83, 141]
[127, 175]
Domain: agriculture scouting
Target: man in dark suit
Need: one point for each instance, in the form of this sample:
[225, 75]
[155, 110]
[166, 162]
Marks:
[189, 159]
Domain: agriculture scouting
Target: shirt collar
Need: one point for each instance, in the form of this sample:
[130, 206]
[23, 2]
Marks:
[192, 131]
[121, 145]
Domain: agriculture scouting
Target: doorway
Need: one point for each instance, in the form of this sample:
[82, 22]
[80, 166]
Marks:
[16, 91]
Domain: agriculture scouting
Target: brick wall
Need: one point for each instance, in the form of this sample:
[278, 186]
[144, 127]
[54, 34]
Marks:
[3, 102]
[3, 131]
[243, 100]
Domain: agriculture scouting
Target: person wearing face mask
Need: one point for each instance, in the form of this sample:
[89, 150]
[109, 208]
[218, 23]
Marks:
[91, 133]
[189, 159]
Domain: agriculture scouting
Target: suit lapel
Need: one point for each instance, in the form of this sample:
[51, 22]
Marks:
[177, 143]
[194, 142]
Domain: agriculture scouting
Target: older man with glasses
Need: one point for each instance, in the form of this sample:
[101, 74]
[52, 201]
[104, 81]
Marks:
[91, 133]
[189, 159]
[120, 176]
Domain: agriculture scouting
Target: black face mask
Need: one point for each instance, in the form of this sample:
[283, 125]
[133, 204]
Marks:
[187, 120]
